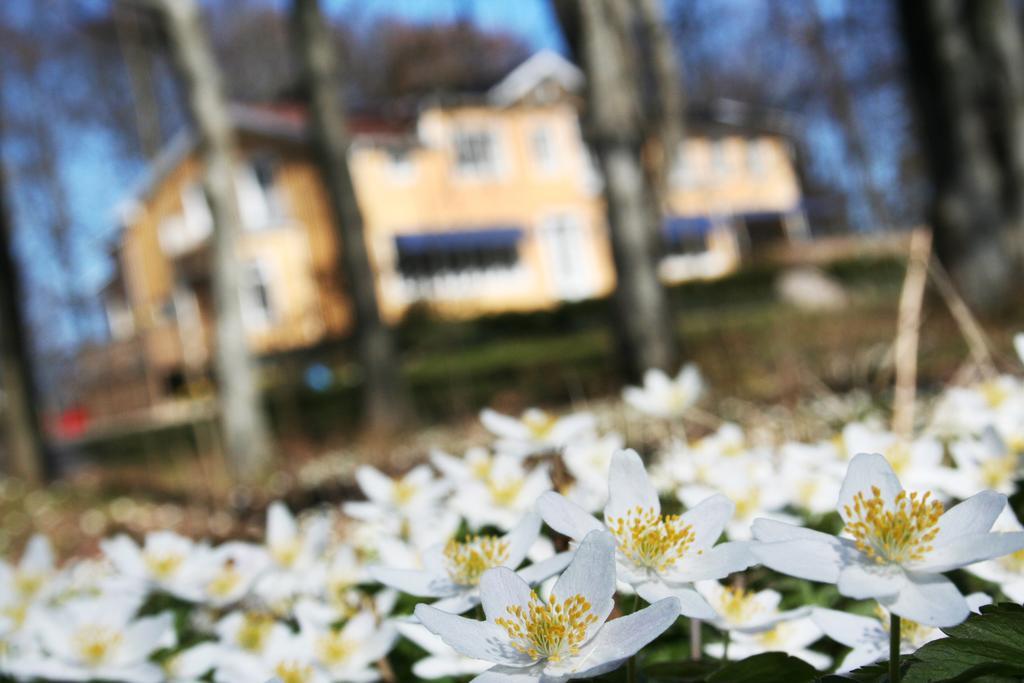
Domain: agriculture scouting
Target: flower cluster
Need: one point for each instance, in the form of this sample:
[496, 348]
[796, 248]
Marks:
[533, 557]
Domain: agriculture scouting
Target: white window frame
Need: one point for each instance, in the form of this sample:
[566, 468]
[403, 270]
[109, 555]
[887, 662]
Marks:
[757, 156]
[255, 315]
[491, 170]
[548, 160]
[563, 233]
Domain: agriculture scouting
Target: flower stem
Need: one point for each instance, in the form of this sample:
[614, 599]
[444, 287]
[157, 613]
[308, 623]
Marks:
[695, 639]
[631, 662]
[725, 645]
[894, 648]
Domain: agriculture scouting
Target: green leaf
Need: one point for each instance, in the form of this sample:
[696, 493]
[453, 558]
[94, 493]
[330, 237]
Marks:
[770, 667]
[686, 671]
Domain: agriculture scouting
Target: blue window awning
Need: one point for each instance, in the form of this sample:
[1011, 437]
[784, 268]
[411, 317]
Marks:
[459, 240]
[682, 227]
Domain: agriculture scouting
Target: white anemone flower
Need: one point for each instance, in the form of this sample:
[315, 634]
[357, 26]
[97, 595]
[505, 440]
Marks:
[982, 462]
[1006, 571]
[99, 639]
[566, 636]
[739, 609]
[536, 431]
[792, 636]
[896, 547]
[28, 579]
[192, 665]
[813, 475]
[286, 656]
[918, 463]
[346, 654]
[474, 466]
[658, 555]
[509, 492]
[666, 397]
[452, 571]
[588, 461]
[164, 561]
[441, 661]
[418, 492]
[247, 631]
[293, 549]
[868, 637]
[223, 575]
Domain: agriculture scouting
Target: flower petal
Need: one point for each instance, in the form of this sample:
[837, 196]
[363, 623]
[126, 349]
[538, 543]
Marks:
[691, 603]
[960, 552]
[861, 580]
[852, 630]
[929, 599]
[508, 674]
[868, 470]
[545, 569]
[520, 538]
[814, 560]
[281, 526]
[566, 517]
[716, 563]
[709, 518]
[422, 584]
[591, 574]
[619, 639]
[628, 486]
[476, 639]
[501, 588]
[976, 515]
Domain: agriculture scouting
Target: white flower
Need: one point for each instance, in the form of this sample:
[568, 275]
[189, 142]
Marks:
[441, 660]
[899, 544]
[1008, 570]
[247, 631]
[452, 572]
[293, 551]
[287, 656]
[415, 494]
[981, 463]
[1018, 344]
[666, 397]
[28, 579]
[536, 431]
[191, 665]
[474, 466]
[740, 609]
[98, 639]
[792, 636]
[588, 461]
[164, 561]
[509, 491]
[518, 635]
[869, 637]
[337, 581]
[917, 463]
[347, 653]
[657, 555]
[812, 473]
[224, 575]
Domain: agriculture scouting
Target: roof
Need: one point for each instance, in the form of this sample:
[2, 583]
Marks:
[545, 65]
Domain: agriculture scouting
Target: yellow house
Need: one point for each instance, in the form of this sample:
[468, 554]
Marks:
[472, 206]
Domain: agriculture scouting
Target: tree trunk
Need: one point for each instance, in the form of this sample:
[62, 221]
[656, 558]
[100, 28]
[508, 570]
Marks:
[955, 79]
[26, 452]
[667, 101]
[385, 401]
[614, 128]
[247, 438]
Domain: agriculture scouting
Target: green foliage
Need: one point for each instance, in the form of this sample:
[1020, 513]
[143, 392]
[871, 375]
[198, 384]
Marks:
[770, 667]
[987, 647]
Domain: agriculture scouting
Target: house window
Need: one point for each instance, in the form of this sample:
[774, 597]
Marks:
[400, 162]
[198, 219]
[719, 157]
[565, 245]
[476, 153]
[686, 235]
[257, 301]
[259, 198]
[543, 145]
[757, 155]
[458, 263]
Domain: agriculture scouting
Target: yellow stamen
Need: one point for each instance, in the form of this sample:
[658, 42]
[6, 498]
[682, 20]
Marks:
[96, 643]
[333, 649]
[651, 540]
[163, 565]
[225, 582]
[293, 672]
[549, 631]
[902, 534]
[252, 634]
[467, 561]
[505, 493]
[738, 605]
[404, 492]
[539, 423]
